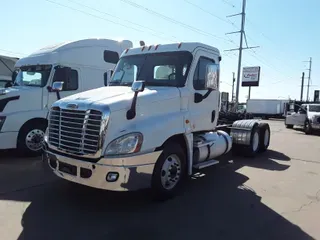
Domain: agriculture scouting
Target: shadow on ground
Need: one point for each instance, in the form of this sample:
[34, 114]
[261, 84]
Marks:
[300, 130]
[214, 205]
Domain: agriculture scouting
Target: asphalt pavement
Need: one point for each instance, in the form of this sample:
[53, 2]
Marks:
[274, 196]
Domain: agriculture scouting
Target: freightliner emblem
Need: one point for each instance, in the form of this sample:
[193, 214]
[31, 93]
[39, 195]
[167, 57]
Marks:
[72, 106]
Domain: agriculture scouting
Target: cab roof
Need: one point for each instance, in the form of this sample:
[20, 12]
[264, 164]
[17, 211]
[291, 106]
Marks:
[81, 43]
[172, 47]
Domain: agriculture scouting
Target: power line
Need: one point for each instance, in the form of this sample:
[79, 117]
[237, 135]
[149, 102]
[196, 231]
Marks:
[108, 14]
[11, 52]
[206, 11]
[152, 12]
[95, 16]
[228, 3]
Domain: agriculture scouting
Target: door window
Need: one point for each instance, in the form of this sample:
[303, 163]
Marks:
[70, 84]
[199, 78]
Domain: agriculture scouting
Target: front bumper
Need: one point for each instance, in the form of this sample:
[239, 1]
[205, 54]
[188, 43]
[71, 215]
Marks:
[315, 125]
[115, 174]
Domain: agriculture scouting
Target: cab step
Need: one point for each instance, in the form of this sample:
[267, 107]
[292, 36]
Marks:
[205, 164]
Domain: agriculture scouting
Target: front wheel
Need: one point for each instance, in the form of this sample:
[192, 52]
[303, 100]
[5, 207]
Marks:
[30, 139]
[169, 172]
[289, 126]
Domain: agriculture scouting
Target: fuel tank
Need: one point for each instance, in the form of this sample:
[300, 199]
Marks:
[210, 145]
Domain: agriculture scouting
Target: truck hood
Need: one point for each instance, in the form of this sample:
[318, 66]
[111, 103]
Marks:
[118, 98]
[14, 96]
[314, 114]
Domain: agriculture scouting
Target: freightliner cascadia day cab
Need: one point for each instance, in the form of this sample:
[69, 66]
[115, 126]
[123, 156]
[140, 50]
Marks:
[152, 134]
[24, 107]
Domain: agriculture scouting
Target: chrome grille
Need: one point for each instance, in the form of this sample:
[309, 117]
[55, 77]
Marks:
[75, 131]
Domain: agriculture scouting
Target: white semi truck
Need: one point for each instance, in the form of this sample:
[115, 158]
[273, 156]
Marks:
[24, 107]
[152, 134]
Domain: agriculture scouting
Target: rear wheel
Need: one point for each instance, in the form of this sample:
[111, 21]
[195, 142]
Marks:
[307, 127]
[169, 172]
[264, 135]
[253, 148]
[289, 126]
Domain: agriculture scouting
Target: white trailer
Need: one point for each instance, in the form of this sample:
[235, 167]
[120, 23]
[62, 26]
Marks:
[266, 108]
[81, 65]
[153, 134]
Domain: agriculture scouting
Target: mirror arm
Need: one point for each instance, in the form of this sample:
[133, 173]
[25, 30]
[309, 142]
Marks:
[131, 113]
[199, 97]
[58, 95]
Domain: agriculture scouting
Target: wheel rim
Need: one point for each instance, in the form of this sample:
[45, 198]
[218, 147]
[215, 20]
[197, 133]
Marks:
[255, 141]
[266, 137]
[34, 139]
[171, 172]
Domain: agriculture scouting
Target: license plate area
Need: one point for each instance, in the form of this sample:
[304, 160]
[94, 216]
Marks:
[68, 168]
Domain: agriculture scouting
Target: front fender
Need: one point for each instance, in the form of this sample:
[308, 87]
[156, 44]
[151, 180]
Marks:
[155, 129]
[15, 120]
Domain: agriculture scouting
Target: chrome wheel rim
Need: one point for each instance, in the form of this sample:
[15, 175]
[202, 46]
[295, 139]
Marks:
[34, 139]
[171, 172]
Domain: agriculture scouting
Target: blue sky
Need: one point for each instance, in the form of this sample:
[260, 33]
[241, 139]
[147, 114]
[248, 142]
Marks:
[286, 31]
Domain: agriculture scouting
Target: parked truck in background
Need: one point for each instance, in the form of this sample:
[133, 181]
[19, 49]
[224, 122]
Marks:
[6, 68]
[154, 133]
[307, 116]
[24, 107]
[266, 108]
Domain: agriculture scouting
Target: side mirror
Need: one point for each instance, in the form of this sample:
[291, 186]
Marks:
[57, 86]
[138, 86]
[212, 76]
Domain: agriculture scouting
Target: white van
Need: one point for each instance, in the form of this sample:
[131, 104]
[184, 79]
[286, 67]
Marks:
[81, 65]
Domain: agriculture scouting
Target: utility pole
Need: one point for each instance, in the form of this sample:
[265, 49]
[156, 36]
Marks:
[309, 77]
[232, 94]
[302, 85]
[242, 34]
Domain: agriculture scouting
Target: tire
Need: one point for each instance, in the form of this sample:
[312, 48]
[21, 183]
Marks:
[253, 148]
[289, 126]
[307, 128]
[31, 132]
[176, 153]
[264, 137]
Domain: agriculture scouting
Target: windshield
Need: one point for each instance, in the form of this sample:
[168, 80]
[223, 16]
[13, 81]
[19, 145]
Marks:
[35, 76]
[314, 108]
[160, 69]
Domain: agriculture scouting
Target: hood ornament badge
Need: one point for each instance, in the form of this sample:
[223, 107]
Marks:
[72, 106]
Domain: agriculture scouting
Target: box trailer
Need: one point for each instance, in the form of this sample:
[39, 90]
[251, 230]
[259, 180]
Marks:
[266, 108]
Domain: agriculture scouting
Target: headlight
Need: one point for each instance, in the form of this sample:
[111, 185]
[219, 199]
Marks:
[46, 135]
[2, 119]
[3, 91]
[129, 143]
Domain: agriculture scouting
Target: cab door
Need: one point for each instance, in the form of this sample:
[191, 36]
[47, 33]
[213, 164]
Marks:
[72, 85]
[297, 118]
[204, 99]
